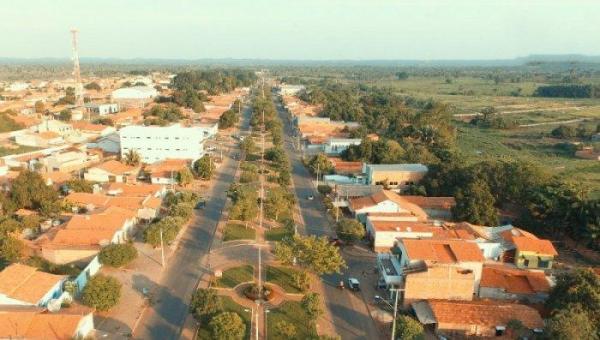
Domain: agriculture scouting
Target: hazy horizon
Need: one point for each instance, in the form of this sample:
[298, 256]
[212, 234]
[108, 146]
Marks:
[312, 30]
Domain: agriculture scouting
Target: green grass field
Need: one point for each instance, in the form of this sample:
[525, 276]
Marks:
[283, 277]
[235, 231]
[277, 234]
[291, 312]
[529, 144]
[236, 275]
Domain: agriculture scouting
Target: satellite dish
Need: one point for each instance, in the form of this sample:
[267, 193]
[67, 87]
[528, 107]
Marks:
[54, 305]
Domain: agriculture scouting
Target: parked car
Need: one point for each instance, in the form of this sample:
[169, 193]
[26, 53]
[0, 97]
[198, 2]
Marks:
[353, 284]
[310, 197]
[200, 205]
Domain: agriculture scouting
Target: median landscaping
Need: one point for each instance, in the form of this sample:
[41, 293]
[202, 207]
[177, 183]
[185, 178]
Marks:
[289, 279]
[237, 231]
[236, 275]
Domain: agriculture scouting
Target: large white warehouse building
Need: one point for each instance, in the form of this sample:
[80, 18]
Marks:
[156, 143]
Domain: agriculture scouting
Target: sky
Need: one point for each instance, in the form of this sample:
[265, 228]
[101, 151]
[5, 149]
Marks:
[300, 29]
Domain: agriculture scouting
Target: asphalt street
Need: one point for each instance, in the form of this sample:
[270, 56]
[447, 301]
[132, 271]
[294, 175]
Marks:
[350, 315]
[165, 318]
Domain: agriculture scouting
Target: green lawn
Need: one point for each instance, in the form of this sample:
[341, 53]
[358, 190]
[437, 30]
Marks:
[283, 277]
[235, 231]
[236, 275]
[291, 312]
[228, 306]
[277, 234]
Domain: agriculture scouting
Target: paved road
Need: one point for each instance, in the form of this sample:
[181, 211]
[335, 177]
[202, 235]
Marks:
[351, 318]
[164, 320]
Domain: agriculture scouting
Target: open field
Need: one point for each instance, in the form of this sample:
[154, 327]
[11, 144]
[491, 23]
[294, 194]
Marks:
[535, 117]
[530, 144]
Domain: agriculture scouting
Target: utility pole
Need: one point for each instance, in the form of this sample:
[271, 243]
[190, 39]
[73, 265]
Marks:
[77, 70]
[397, 291]
[318, 169]
[162, 249]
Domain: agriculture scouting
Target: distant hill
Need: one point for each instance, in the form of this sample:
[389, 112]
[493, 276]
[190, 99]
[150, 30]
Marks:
[532, 59]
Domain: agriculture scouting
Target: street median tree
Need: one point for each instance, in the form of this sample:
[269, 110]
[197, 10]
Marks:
[315, 254]
[350, 230]
[227, 326]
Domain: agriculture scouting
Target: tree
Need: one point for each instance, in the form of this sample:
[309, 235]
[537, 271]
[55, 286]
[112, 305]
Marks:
[228, 119]
[117, 255]
[408, 328]
[475, 204]
[402, 75]
[79, 185]
[278, 202]
[312, 305]
[248, 145]
[39, 106]
[69, 98]
[227, 326]
[65, 115]
[564, 132]
[315, 254]
[132, 158]
[93, 86]
[285, 330]
[205, 303]
[29, 190]
[245, 205]
[350, 230]
[11, 249]
[204, 167]
[301, 280]
[101, 292]
[571, 323]
[579, 288]
[185, 176]
[321, 164]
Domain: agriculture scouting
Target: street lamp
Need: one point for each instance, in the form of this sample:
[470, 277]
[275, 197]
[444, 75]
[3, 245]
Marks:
[267, 311]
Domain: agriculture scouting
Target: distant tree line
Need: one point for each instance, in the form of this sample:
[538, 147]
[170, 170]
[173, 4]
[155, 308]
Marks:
[213, 81]
[568, 91]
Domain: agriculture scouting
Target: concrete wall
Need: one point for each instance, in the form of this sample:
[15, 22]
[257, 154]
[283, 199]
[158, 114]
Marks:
[64, 256]
[429, 285]
[395, 179]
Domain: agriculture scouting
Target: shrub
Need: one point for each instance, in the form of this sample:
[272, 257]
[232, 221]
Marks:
[117, 255]
[324, 189]
[102, 292]
[227, 326]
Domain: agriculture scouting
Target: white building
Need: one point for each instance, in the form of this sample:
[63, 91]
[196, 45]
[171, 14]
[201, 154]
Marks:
[135, 92]
[18, 86]
[136, 96]
[156, 143]
[102, 109]
[290, 90]
[335, 146]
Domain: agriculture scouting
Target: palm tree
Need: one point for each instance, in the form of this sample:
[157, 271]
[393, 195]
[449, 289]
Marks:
[132, 158]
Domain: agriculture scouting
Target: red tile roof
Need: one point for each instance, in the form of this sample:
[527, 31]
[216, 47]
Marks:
[442, 251]
[526, 241]
[115, 167]
[484, 313]
[425, 202]
[385, 195]
[25, 283]
[514, 280]
[38, 323]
